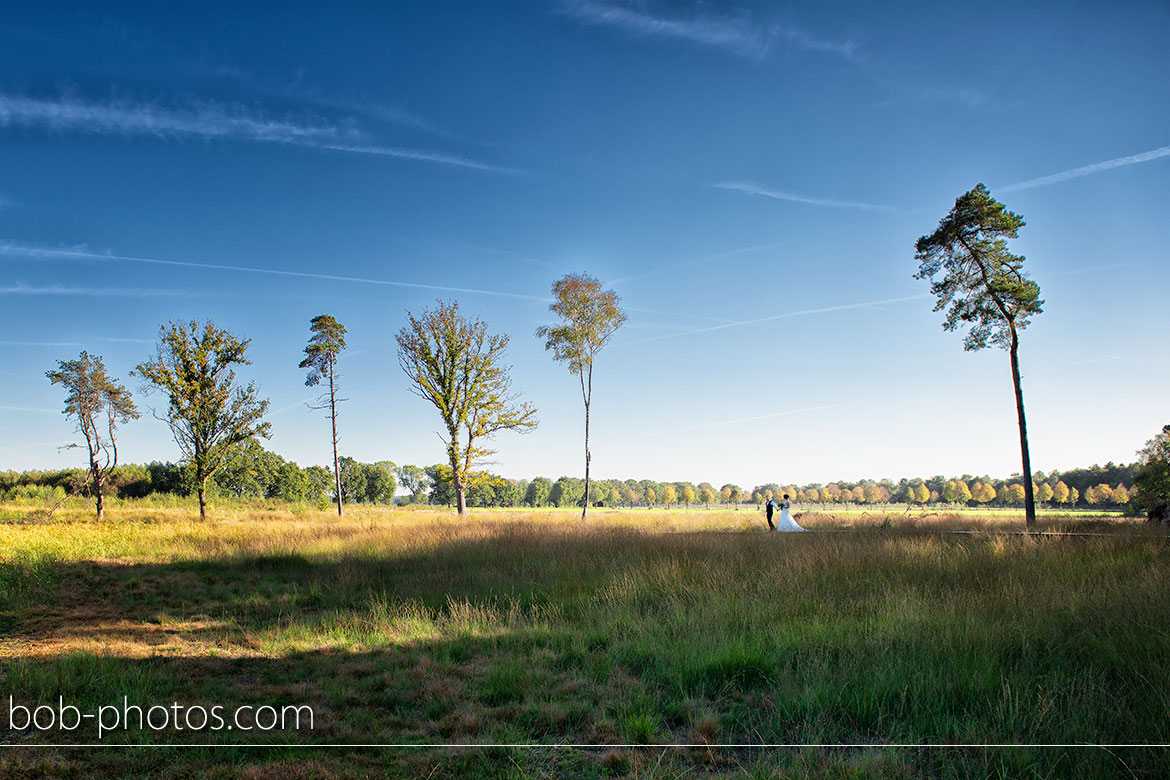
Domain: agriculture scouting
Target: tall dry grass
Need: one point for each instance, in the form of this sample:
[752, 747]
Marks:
[642, 626]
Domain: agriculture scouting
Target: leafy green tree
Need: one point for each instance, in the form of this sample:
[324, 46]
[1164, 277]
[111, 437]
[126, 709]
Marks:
[454, 363]
[353, 480]
[207, 412]
[985, 287]
[537, 493]
[441, 485]
[326, 343]
[1074, 496]
[508, 493]
[294, 484]
[589, 315]
[413, 479]
[98, 404]
[250, 471]
[566, 491]
[1152, 481]
[380, 482]
[320, 480]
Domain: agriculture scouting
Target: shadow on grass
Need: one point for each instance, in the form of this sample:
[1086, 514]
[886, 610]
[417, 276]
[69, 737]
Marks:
[610, 636]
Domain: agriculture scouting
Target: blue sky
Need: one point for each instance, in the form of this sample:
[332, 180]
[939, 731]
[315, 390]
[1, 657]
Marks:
[751, 177]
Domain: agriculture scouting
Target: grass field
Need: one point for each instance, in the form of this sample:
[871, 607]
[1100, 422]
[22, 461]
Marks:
[642, 627]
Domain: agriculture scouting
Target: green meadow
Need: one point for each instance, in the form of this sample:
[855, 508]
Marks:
[639, 644]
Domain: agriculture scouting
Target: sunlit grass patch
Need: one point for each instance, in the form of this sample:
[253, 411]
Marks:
[633, 627]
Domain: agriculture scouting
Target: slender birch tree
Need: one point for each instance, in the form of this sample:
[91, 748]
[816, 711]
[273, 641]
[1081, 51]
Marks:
[99, 404]
[456, 365]
[326, 343]
[985, 288]
[209, 415]
[589, 315]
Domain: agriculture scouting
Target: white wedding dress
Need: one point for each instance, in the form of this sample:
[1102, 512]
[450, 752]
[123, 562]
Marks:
[785, 522]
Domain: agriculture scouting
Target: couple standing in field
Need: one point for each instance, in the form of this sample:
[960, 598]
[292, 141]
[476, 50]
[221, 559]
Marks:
[785, 521]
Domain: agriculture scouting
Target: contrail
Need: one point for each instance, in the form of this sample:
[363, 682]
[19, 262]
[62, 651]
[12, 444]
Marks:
[19, 250]
[842, 307]
[413, 154]
[756, 189]
[1087, 170]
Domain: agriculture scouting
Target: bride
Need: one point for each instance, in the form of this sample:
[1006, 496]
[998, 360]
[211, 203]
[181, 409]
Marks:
[785, 522]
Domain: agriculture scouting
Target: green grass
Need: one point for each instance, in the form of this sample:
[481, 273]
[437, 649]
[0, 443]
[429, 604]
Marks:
[643, 628]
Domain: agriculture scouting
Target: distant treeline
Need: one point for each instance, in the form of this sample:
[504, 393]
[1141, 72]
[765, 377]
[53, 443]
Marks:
[258, 473]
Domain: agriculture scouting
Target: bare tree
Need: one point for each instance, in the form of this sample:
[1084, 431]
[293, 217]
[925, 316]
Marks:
[589, 316]
[99, 404]
[326, 343]
[454, 363]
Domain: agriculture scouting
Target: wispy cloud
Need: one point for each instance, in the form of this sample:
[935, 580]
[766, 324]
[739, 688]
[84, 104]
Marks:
[100, 292]
[296, 89]
[741, 34]
[15, 249]
[1089, 170]
[784, 316]
[70, 114]
[207, 120]
[1089, 269]
[422, 155]
[1102, 359]
[41, 344]
[766, 192]
[303, 403]
[912, 92]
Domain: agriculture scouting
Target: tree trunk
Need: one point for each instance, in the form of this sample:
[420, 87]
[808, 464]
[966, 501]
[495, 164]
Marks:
[203, 499]
[1029, 497]
[333, 418]
[460, 497]
[585, 508]
[456, 480]
[586, 396]
[96, 473]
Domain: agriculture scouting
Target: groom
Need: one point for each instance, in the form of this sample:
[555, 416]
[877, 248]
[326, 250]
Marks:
[770, 508]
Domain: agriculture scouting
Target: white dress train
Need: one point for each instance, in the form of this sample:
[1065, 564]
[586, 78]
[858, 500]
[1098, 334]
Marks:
[785, 522]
